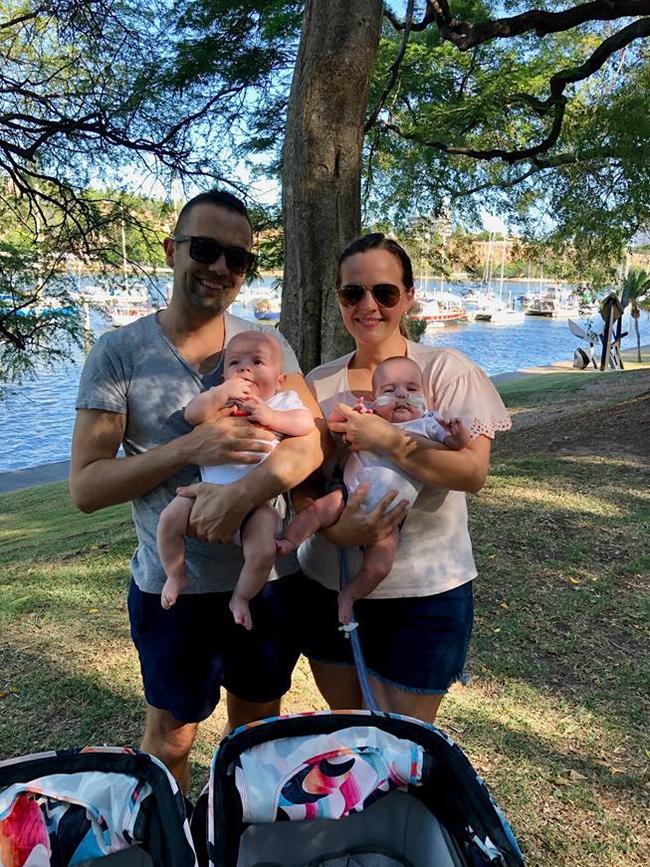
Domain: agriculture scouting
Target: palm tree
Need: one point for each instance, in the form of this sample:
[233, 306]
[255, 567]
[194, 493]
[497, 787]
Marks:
[636, 288]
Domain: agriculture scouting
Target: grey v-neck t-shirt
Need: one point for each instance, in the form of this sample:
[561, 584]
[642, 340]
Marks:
[136, 371]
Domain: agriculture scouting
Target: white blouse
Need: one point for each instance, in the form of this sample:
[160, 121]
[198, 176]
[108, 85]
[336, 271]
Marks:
[435, 551]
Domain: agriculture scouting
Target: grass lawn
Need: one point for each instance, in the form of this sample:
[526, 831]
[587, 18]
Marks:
[556, 715]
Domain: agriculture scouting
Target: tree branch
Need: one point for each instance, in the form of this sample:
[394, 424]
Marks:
[435, 11]
[556, 102]
[12, 338]
[466, 35]
[566, 159]
[394, 70]
[14, 22]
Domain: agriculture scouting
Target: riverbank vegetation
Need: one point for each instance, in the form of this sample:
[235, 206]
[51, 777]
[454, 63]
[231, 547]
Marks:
[555, 716]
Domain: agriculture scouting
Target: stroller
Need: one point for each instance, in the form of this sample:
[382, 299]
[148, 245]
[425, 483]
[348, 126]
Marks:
[336, 789]
[74, 807]
[311, 790]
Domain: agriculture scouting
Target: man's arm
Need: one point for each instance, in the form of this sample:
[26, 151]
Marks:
[98, 478]
[219, 509]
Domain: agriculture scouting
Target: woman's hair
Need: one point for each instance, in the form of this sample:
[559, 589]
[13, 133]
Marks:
[379, 241]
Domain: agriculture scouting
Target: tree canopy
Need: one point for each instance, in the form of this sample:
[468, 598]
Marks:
[537, 114]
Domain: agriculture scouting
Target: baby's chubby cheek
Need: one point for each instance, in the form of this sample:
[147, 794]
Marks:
[385, 412]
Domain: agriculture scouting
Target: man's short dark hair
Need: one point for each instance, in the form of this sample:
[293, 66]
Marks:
[220, 198]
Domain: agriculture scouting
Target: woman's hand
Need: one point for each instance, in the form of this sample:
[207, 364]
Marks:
[365, 430]
[356, 527]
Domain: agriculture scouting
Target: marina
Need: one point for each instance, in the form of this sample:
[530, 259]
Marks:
[38, 416]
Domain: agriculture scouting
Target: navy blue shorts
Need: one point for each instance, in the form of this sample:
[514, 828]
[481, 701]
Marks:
[418, 644]
[190, 651]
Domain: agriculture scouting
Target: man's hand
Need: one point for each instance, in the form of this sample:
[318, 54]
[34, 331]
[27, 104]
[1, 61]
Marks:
[217, 512]
[226, 440]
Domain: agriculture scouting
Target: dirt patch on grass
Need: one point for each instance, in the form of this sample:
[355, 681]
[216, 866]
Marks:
[619, 430]
[609, 417]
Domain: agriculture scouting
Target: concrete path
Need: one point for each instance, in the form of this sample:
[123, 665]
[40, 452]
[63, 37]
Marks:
[32, 476]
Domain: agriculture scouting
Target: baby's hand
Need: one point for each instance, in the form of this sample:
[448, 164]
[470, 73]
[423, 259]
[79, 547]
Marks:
[257, 410]
[458, 437]
[360, 406]
[237, 388]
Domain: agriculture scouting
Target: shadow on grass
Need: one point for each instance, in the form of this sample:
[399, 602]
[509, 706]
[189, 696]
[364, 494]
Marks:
[561, 602]
[45, 707]
[82, 599]
[474, 729]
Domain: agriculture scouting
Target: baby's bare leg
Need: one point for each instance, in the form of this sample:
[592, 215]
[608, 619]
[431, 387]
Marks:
[258, 545]
[170, 536]
[322, 513]
[377, 562]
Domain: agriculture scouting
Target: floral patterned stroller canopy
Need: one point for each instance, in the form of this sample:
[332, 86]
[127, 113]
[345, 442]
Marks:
[349, 789]
[77, 806]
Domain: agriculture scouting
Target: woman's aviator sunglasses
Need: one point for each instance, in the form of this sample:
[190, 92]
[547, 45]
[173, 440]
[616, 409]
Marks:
[208, 251]
[385, 294]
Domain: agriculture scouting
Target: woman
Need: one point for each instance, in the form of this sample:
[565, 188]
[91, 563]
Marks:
[415, 627]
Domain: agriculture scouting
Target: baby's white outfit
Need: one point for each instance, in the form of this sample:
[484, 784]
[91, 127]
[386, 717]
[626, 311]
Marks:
[382, 474]
[224, 474]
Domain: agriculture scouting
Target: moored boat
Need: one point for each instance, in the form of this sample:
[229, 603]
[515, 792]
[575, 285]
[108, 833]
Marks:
[267, 308]
[124, 312]
[442, 308]
[497, 312]
[553, 304]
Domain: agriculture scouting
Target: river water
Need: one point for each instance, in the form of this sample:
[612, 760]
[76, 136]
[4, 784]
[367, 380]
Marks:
[37, 418]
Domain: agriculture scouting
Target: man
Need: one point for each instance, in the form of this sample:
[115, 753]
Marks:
[134, 386]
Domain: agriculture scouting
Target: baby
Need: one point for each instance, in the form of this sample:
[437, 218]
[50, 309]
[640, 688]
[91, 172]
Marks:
[252, 381]
[398, 397]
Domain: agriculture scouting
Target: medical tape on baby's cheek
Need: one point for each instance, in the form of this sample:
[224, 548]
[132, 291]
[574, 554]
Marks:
[415, 400]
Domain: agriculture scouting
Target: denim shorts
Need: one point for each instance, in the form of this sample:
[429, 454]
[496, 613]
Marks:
[190, 651]
[418, 644]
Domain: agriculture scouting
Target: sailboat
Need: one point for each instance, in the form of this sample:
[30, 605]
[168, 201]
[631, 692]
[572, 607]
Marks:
[134, 302]
[492, 308]
[435, 307]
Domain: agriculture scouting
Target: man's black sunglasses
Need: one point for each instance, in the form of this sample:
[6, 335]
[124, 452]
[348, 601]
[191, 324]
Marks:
[385, 294]
[208, 251]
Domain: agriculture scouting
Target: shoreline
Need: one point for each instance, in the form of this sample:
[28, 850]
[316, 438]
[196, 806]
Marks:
[629, 357]
[59, 471]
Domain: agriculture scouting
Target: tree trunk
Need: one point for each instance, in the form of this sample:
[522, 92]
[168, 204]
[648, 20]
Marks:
[321, 168]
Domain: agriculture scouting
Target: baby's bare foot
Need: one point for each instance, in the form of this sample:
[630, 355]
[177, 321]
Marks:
[345, 609]
[284, 547]
[171, 588]
[240, 611]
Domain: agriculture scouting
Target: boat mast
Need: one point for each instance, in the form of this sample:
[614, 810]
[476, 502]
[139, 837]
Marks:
[125, 285]
[503, 263]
